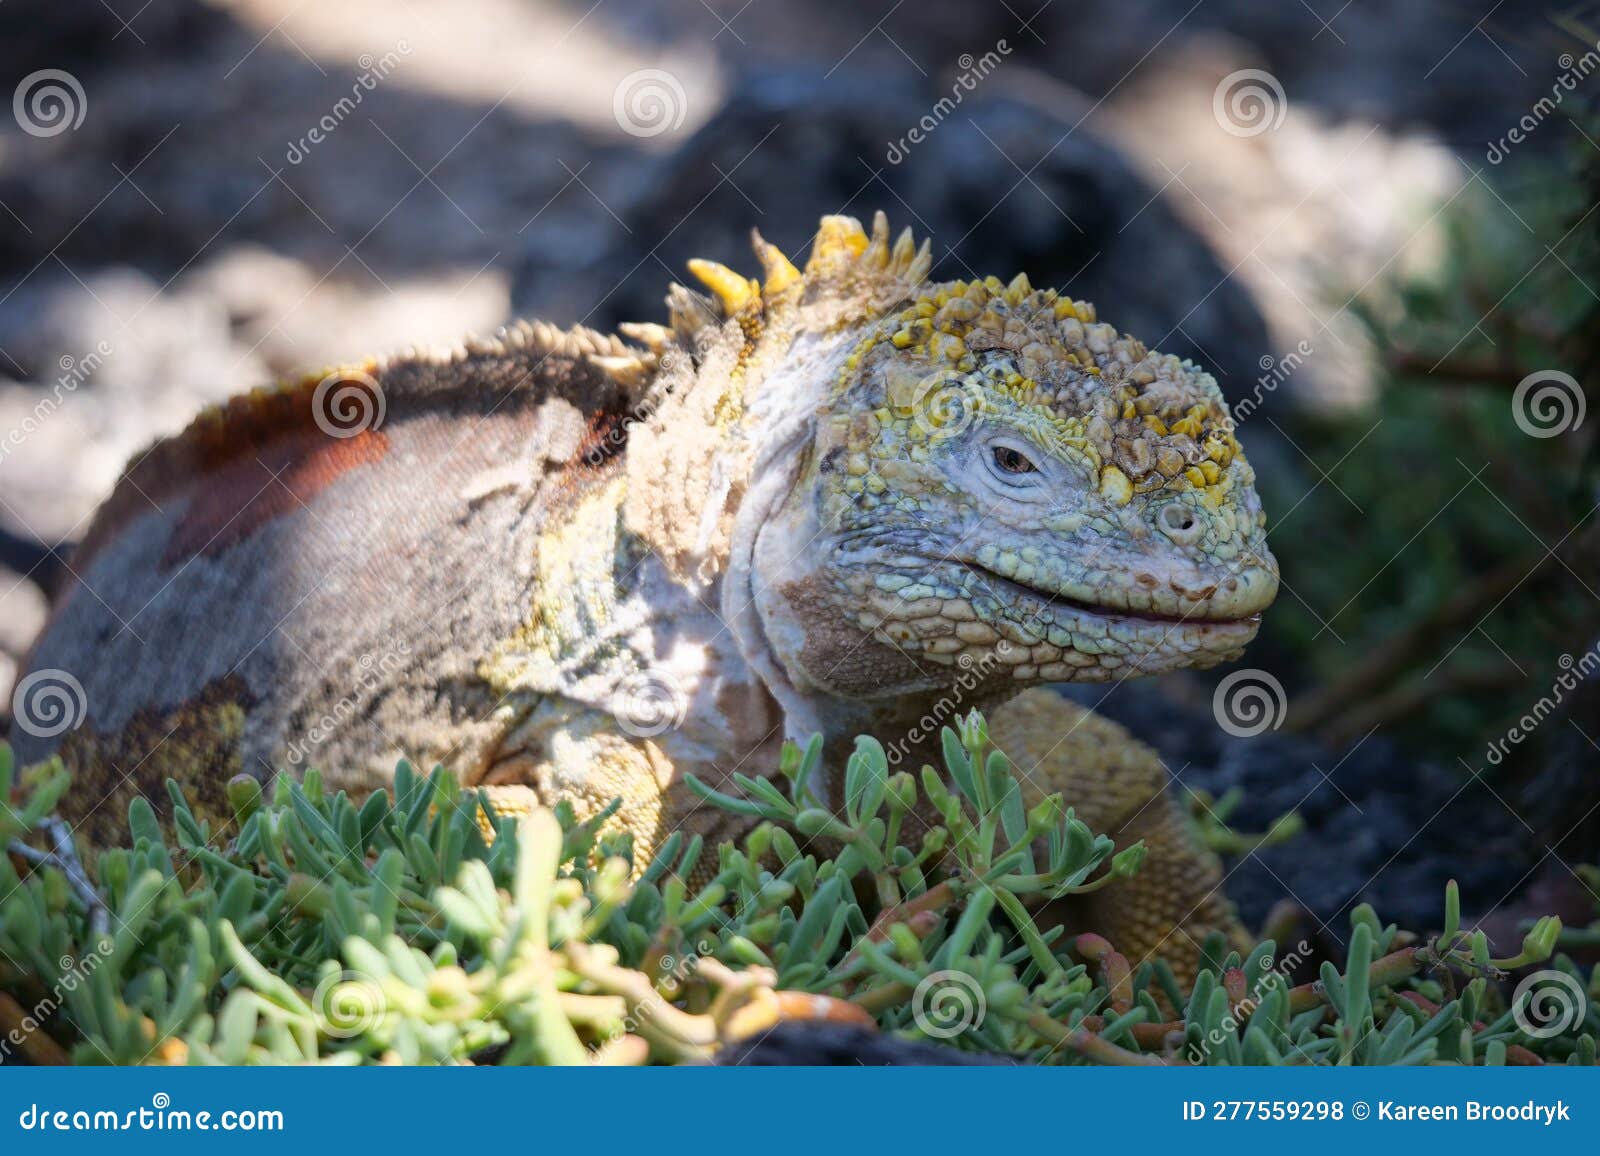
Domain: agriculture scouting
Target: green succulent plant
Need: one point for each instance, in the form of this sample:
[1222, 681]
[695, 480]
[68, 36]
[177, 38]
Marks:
[421, 927]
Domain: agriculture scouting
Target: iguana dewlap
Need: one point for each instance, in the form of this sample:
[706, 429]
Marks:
[569, 564]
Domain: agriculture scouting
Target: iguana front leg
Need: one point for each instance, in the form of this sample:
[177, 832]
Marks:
[564, 751]
[1118, 786]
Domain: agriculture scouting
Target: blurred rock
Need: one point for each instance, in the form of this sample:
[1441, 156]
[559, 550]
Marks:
[1464, 72]
[296, 322]
[1380, 827]
[117, 363]
[179, 150]
[23, 608]
[1312, 216]
[22, 612]
[1000, 186]
[84, 38]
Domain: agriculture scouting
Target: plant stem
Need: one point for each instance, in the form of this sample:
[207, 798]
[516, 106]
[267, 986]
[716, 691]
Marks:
[1087, 1044]
[934, 899]
[1386, 972]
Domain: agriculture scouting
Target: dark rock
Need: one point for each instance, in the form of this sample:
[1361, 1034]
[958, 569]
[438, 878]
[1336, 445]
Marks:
[1381, 827]
[833, 1045]
[84, 38]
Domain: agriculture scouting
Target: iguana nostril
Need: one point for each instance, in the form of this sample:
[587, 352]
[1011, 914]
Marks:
[1178, 522]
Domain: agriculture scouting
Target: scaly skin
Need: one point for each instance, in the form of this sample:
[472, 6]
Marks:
[842, 500]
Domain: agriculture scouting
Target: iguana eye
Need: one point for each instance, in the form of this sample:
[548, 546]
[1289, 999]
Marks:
[1011, 461]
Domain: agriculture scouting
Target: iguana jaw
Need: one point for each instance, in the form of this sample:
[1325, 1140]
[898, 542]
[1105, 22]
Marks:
[960, 615]
[1021, 593]
[1067, 638]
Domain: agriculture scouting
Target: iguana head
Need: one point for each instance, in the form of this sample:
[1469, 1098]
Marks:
[911, 481]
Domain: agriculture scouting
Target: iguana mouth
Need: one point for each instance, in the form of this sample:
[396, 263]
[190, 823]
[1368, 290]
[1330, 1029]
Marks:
[1100, 610]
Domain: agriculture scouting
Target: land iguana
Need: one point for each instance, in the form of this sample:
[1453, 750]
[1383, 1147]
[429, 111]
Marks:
[573, 565]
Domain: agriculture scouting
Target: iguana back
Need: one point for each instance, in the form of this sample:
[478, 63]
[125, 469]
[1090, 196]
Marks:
[311, 575]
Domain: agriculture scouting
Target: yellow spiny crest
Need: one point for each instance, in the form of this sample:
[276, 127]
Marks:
[839, 241]
[842, 245]
[873, 268]
[779, 270]
[734, 291]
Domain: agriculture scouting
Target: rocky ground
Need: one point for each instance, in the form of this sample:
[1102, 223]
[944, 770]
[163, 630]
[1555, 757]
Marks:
[489, 158]
[1380, 826]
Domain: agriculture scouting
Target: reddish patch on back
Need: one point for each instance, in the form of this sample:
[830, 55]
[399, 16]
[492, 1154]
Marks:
[239, 495]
